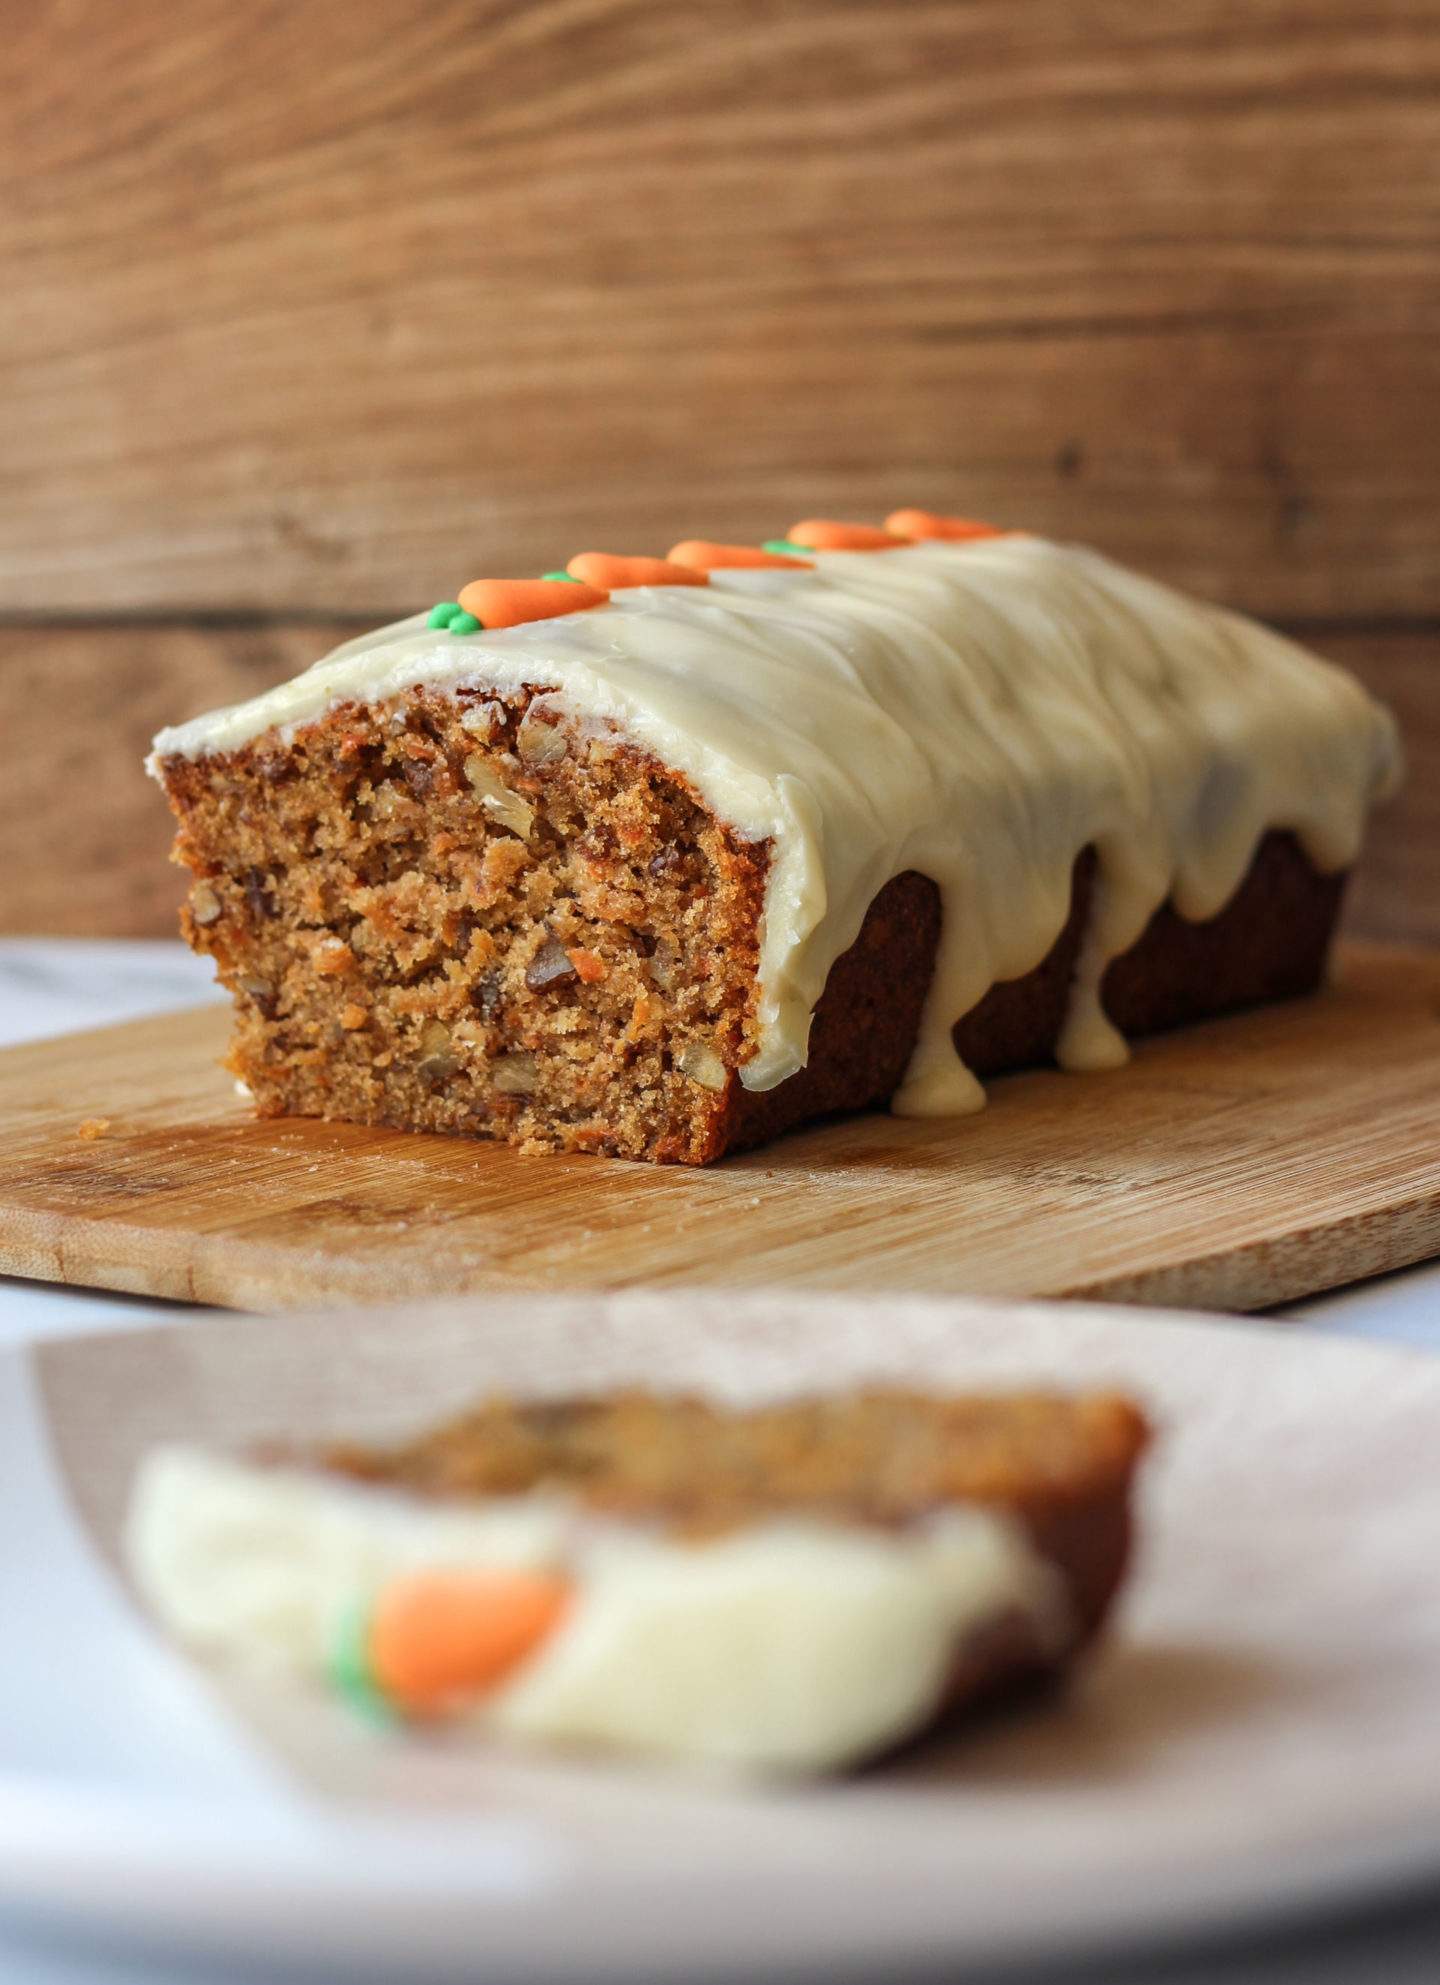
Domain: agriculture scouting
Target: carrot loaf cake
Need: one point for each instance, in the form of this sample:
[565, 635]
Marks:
[795, 1587]
[659, 857]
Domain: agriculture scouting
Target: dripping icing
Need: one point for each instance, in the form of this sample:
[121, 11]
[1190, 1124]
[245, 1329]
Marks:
[980, 712]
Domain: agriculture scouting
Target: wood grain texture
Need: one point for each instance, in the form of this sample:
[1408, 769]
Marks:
[1231, 1166]
[84, 834]
[326, 308]
[1395, 892]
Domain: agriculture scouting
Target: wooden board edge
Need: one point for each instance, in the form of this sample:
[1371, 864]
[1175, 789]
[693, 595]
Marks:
[224, 1274]
[217, 1272]
[1281, 1268]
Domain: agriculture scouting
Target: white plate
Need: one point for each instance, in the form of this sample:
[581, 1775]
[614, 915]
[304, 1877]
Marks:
[1262, 1732]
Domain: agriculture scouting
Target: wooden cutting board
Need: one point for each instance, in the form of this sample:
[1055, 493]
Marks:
[1231, 1166]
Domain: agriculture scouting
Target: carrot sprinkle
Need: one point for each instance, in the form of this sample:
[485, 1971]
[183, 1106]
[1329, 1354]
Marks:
[509, 602]
[608, 570]
[824, 534]
[927, 524]
[707, 557]
[437, 1637]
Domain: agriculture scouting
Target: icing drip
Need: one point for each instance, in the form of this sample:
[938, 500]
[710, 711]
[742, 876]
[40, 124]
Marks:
[978, 711]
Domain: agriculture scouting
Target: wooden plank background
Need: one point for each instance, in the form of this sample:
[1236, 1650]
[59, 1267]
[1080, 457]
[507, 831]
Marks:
[312, 311]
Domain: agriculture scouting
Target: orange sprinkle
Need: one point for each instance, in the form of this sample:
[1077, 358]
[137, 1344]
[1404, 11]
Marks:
[824, 534]
[587, 966]
[707, 557]
[439, 1636]
[508, 602]
[926, 524]
[607, 570]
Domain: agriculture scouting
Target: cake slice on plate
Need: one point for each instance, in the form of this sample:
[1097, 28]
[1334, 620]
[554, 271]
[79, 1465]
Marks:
[796, 1587]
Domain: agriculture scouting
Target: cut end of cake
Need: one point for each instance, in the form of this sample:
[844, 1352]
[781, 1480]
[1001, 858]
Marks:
[466, 912]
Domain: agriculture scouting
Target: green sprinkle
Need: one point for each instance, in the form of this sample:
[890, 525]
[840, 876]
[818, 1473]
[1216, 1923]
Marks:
[464, 623]
[785, 549]
[349, 1667]
[568, 577]
[442, 615]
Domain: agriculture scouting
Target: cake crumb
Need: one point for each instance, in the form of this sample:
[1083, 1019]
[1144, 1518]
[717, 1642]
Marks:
[93, 1127]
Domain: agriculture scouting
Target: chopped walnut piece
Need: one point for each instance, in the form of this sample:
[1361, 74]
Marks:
[484, 720]
[507, 808]
[539, 742]
[663, 960]
[551, 966]
[437, 1050]
[204, 904]
[698, 1062]
[516, 1075]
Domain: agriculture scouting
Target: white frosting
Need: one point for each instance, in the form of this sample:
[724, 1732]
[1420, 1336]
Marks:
[980, 712]
[797, 1646]
[262, 1564]
[789, 1645]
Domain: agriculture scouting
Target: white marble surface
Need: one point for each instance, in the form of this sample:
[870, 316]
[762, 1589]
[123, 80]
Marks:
[56, 985]
[53, 986]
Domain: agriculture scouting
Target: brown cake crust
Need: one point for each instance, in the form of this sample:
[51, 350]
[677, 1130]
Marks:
[1269, 942]
[464, 913]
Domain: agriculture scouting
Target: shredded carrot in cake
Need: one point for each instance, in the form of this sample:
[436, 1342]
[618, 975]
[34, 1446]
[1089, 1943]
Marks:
[587, 966]
[609, 571]
[509, 602]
